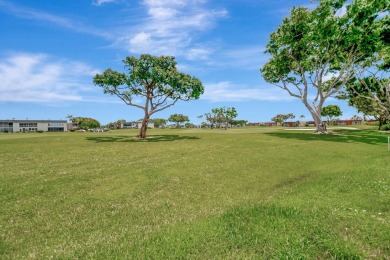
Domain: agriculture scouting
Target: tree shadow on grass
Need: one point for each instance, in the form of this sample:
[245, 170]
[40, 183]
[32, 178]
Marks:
[133, 139]
[343, 136]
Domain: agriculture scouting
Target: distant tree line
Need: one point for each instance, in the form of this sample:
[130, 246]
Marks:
[223, 117]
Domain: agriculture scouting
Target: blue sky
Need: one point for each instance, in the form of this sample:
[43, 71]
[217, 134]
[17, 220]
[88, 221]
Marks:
[51, 49]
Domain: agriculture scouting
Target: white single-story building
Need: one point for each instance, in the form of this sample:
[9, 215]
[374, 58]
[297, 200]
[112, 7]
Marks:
[15, 126]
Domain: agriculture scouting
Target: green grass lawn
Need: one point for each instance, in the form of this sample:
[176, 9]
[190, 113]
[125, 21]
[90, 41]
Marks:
[248, 193]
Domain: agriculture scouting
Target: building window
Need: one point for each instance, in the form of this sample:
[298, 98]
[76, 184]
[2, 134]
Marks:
[55, 129]
[28, 124]
[55, 124]
[6, 124]
[6, 127]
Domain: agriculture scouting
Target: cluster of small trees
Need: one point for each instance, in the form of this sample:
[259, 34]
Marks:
[220, 117]
[117, 124]
[330, 112]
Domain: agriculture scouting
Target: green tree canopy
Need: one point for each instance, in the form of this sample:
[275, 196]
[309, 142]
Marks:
[369, 90]
[178, 119]
[155, 79]
[159, 122]
[221, 116]
[316, 52]
[84, 122]
[331, 111]
[371, 96]
[279, 119]
[230, 113]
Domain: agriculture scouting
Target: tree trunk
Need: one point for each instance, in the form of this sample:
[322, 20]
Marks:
[382, 121]
[320, 127]
[144, 127]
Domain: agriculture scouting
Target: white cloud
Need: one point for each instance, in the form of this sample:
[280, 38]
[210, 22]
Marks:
[200, 53]
[29, 77]
[168, 27]
[101, 2]
[244, 58]
[227, 91]
[330, 76]
[171, 28]
[162, 13]
[140, 42]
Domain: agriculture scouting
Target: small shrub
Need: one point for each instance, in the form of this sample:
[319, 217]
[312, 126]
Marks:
[385, 127]
[39, 131]
[72, 130]
[306, 124]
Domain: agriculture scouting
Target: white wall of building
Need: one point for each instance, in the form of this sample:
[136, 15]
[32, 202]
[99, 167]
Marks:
[33, 125]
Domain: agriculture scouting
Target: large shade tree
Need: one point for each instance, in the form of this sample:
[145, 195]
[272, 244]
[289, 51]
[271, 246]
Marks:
[315, 53]
[155, 79]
